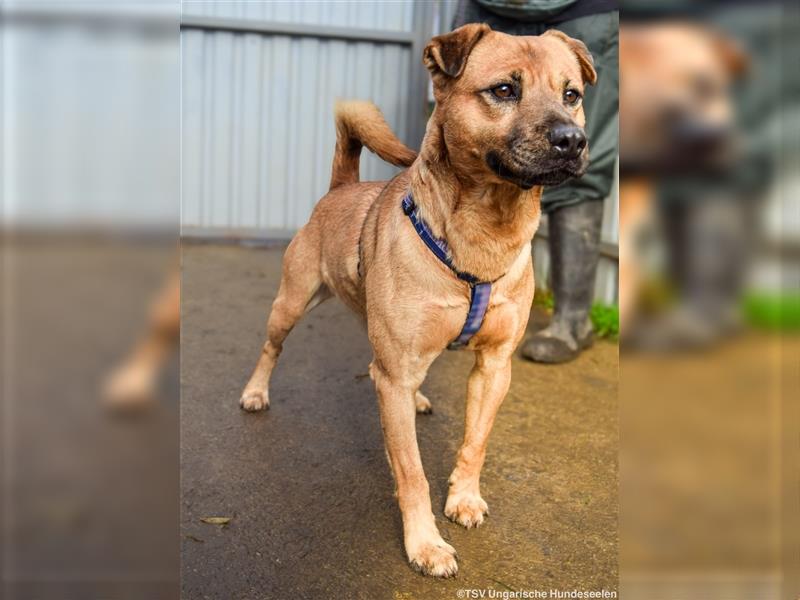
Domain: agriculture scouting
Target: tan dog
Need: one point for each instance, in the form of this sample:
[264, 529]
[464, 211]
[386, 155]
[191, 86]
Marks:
[508, 119]
[676, 118]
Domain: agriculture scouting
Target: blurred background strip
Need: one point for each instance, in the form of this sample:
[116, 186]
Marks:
[90, 214]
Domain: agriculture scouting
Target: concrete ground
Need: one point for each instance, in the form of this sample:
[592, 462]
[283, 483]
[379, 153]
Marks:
[704, 464]
[306, 484]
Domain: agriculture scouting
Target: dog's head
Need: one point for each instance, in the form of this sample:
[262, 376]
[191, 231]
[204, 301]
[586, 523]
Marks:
[676, 110]
[509, 108]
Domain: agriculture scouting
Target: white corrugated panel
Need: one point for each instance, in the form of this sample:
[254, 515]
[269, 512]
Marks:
[258, 129]
[389, 15]
[90, 118]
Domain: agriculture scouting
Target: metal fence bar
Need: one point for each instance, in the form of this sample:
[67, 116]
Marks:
[271, 235]
[418, 77]
[328, 32]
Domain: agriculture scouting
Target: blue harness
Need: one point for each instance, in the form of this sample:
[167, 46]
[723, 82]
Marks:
[479, 290]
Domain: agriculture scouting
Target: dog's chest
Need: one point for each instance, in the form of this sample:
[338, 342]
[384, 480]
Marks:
[509, 307]
[501, 322]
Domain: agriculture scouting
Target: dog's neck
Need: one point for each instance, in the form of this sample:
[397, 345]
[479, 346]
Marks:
[486, 225]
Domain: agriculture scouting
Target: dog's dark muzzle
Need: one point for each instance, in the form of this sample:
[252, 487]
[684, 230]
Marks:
[548, 170]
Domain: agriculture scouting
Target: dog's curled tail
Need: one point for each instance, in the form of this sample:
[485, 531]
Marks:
[359, 124]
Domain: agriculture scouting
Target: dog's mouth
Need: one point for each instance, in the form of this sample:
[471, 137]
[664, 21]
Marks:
[547, 172]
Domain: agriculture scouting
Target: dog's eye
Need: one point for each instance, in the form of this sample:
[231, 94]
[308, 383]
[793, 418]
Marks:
[504, 91]
[572, 97]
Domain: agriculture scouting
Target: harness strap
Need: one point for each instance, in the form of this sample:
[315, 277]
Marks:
[480, 291]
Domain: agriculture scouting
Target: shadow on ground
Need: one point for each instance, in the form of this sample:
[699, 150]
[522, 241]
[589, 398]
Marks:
[307, 486]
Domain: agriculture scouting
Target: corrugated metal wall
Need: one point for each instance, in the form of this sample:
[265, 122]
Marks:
[258, 130]
[258, 133]
[90, 117]
[390, 15]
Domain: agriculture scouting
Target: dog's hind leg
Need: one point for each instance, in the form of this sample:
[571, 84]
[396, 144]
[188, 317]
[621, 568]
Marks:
[422, 404]
[301, 289]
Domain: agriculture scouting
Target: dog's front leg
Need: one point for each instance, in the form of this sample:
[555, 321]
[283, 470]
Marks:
[486, 389]
[426, 550]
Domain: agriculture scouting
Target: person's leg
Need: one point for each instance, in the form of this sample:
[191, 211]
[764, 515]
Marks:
[575, 208]
[708, 241]
[574, 242]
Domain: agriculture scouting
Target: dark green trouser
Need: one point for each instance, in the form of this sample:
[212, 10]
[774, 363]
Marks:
[600, 33]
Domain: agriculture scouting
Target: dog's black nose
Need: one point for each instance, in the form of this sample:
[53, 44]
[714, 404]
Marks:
[567, 140]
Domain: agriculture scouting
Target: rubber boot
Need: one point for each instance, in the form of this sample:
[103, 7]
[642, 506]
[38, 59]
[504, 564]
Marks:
[574, 242]
[708, 244]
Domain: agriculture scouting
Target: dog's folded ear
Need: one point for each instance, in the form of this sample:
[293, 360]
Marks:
[447, 54]
[732, 54]
[581, 52]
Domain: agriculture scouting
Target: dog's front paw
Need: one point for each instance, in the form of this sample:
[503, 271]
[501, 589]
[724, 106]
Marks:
[466, 508]
[436, 558]
[253, 401]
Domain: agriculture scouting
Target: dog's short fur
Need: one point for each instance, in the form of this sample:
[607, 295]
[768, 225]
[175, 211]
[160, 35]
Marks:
[477, 181]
